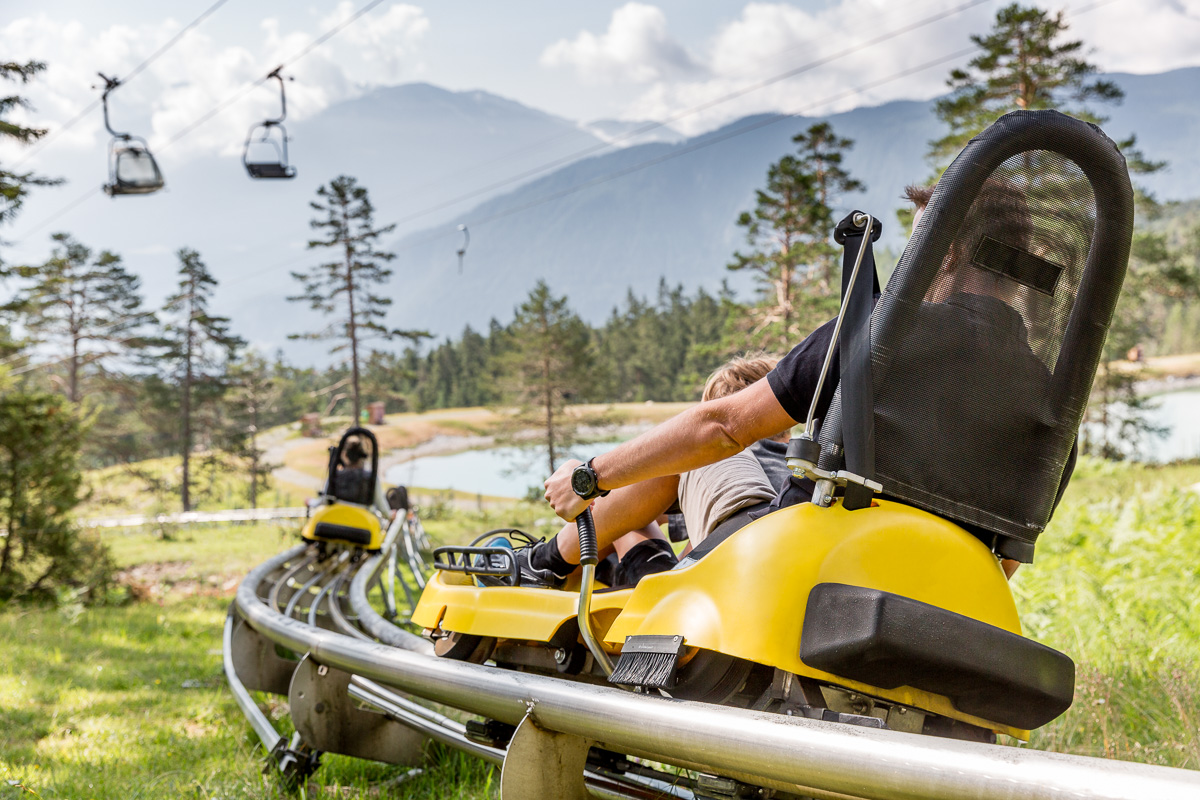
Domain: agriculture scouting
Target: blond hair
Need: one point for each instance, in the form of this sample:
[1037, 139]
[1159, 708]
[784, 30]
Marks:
[737, 374]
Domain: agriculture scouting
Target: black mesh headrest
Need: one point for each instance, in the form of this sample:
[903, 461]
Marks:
[986, 340]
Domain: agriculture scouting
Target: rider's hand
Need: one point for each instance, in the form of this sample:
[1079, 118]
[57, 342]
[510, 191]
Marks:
[561, 496]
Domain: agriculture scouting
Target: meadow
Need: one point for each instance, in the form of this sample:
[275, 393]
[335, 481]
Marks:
[127, 700]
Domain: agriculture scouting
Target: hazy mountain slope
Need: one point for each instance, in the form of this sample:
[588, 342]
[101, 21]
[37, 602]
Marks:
[676, 219]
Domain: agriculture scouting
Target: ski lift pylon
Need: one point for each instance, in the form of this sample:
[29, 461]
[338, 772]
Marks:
[462, 251]
[271, 155]
[131, 167]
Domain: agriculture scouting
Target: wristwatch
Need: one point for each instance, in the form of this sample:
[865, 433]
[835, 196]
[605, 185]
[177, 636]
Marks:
[585, 482]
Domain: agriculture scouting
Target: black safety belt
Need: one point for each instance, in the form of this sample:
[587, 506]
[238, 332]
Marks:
[858, 401]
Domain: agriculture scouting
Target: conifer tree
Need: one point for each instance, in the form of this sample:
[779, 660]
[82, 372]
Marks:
[549, 361]
[1024, 64]
[347, 286]
[14, 186]
[40, 485]
[252, 399]
[197, 347]
[789, 235]
[89, 308]
[1027, 63]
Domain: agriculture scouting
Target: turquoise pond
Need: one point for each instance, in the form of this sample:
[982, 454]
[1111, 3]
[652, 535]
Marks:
[510, 471]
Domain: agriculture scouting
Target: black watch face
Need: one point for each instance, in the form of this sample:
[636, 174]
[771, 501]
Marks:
[582, 481]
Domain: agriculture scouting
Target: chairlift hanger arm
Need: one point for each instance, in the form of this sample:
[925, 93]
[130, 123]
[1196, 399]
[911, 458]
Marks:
[275, 73]
[109, 85]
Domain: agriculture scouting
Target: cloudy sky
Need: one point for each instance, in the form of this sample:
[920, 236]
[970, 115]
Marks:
[584, 61]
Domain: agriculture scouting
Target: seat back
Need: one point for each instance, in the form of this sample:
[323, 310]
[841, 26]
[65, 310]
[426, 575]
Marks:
[353, 467]
[135, 171]
[985, 343]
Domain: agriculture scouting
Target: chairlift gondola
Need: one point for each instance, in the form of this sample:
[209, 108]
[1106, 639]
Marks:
[462, 251]
[268, 141]
[131, 167]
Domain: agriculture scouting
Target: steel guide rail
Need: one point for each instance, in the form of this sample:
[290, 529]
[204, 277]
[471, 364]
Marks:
[816, 758]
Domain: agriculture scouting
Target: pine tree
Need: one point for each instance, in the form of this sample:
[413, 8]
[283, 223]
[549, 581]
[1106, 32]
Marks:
[14, 186]
[197, 346]
[253, 397]
[40, 485]
[346, 286]
[89, 308]
[1024, 65]
[550, 360]
[789, 235]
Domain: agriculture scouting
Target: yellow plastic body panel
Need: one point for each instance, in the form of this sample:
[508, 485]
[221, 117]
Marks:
[747, 598]
[455, 603]
[348, 515]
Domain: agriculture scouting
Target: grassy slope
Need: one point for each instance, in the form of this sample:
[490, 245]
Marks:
[93, 704]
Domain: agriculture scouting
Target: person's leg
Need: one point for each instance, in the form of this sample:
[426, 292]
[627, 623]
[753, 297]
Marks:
[631, 508]
[643, 552]
[625, 543]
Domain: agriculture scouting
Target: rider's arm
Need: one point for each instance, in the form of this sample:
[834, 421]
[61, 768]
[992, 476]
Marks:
[629, 508]
[702, 435]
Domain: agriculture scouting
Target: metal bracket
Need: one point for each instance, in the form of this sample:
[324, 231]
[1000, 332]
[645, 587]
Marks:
[257, 663]
[826, 480]
[541, 764]
[328, 719]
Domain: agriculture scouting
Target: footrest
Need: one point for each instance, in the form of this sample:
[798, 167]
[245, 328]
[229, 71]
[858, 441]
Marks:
[492, 562]
[887, 640]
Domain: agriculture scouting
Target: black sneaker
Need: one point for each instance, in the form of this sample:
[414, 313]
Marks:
[528, 576]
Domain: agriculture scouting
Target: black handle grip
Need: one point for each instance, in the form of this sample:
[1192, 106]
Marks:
[588, 549]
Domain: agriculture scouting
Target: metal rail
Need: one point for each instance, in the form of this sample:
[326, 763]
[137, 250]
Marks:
[194, 517]
[799, 755]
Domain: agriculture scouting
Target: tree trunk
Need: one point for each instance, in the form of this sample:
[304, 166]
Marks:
[254, 457]
[12, 522]
[352, 326]
[187, 402]
[73, 383]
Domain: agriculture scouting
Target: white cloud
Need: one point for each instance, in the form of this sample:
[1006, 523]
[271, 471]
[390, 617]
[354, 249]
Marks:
[197, 74]
[636, 48]
[769, 39]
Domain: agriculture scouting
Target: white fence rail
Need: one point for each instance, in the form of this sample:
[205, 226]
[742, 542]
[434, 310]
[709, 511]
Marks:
[191, 517]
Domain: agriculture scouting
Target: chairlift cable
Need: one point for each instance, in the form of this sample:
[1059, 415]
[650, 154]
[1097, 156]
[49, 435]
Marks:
[45, 142]
[180, 134]
[707, 142]
[651, 126]
[304, 51]
[716, 139]
[62, 211]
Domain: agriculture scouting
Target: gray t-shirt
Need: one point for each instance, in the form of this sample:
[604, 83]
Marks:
[710, 495]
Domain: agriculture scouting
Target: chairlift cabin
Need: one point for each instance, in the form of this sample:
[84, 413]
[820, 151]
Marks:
[265, 154]
[131, 167]
[462, 251]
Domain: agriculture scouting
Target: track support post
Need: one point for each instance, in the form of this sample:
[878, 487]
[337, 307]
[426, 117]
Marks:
[328, 719]
[256, 662]
[541, 764]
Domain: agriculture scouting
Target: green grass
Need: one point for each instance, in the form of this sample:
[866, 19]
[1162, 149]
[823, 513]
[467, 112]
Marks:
[129, 702]
[1114, 587]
